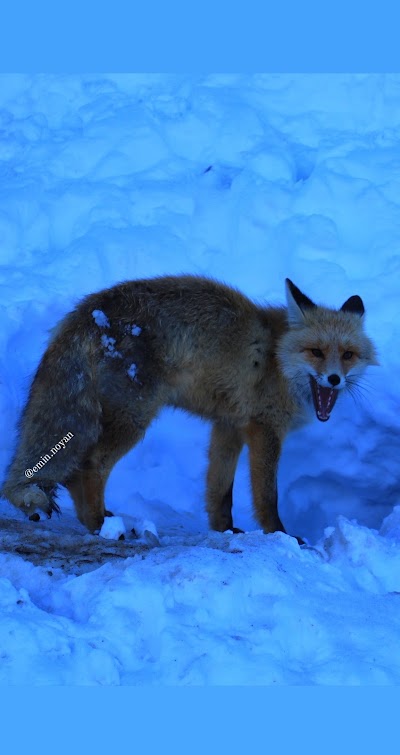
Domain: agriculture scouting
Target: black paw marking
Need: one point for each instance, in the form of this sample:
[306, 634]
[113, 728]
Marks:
[34, 517]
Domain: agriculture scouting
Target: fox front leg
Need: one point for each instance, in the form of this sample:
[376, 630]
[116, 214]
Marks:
[265, 449]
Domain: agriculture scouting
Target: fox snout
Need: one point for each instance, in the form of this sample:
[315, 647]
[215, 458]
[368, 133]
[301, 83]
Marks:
[331, 381]
[328, 370]
[324, 398]
[334, 380]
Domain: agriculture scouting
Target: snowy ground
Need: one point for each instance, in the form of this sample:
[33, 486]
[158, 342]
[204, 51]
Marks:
[249, 178]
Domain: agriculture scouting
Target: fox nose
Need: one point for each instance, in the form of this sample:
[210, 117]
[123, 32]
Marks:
[334, 380]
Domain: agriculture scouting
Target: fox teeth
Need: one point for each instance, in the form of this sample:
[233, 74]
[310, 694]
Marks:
[329, 403]
[324, 399]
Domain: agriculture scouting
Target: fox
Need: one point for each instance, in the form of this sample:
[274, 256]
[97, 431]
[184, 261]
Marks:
[255, 372]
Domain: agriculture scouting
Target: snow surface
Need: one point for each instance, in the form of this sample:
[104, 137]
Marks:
[250, 179]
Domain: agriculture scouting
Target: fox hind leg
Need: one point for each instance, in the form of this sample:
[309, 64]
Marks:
[225, 447]
[87, 484]
[86, 487]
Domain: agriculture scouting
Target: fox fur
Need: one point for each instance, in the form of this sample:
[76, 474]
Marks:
[190, 342]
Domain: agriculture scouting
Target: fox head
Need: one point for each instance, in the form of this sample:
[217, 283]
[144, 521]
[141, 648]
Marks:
[324, 351]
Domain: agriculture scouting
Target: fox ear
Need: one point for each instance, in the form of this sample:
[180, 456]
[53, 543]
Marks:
[297, 303]
[354, 305]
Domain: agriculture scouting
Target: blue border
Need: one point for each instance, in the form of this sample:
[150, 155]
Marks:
[179, 36]
[204, 720]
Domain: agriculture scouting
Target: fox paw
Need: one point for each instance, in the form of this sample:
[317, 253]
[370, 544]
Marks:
[35, 498]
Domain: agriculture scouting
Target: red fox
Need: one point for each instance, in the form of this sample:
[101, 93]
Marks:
[188, 342]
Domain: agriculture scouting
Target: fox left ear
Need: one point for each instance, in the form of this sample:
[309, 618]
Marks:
[354, 305]
[297, 303]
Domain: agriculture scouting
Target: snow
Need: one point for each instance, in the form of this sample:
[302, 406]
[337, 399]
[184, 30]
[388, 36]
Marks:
[132, 370]
[109, 346]
[250, 178]
[100, 318]
[113, 528]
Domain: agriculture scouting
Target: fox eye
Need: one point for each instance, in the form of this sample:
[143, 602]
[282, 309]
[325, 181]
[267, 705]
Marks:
[347, 355]
[317, 353]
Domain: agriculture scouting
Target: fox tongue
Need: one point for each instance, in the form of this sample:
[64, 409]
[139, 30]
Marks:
[324, 399]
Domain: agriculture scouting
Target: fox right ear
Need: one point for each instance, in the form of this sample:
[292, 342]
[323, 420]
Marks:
[297, 303]
[354, 305]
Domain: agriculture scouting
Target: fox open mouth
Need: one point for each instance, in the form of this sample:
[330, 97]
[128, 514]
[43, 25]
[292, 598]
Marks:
[324, 399]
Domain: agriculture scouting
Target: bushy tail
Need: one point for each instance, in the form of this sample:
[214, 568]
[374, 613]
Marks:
[61, 421]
